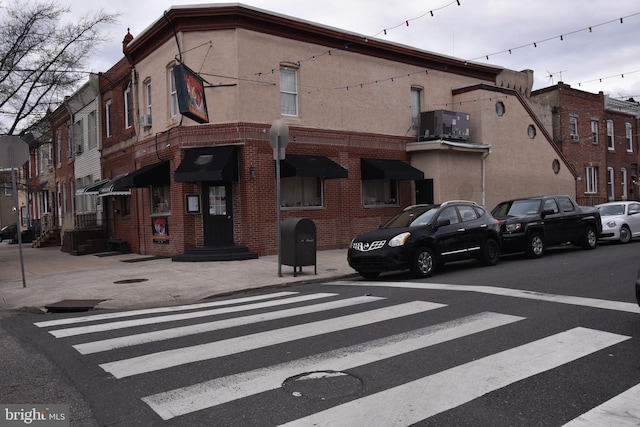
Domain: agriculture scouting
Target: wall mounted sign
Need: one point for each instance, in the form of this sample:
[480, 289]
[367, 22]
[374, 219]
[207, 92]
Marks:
[191, 98]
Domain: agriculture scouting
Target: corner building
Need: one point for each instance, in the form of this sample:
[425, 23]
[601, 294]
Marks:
[203, 188]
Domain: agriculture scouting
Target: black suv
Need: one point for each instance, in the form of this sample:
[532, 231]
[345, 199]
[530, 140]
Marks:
[532, 224]
[422, 237]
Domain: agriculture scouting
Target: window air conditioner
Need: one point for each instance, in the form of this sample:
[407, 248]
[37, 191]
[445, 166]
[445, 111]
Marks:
[575, 138]
[145, 121]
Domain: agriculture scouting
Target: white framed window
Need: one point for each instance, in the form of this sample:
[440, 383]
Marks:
[594, 131]
[380, 192]
[92, 136]
[8, 191]
[610, 184]
[591, 179]
[416, 106]
[573, 128]
[59, 147]
[128, 108]
[70, 149]
[173, 94]
[107, 118]
[301, 192]
[288, 91]
[147, 96]
[628, 137]
[623, 182]
[610, 138]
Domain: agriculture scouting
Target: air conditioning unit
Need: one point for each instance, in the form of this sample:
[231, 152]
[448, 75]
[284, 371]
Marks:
[575, 137]
[443, 124]
[145, 121]
[79, 148]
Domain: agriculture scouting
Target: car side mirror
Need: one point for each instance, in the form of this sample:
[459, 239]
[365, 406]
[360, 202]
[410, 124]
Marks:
[443, 222]
[546, 212]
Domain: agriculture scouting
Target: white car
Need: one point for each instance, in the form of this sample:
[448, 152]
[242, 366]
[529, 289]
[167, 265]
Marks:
[620, 220]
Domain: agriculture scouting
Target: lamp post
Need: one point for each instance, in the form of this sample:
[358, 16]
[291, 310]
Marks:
[278, 138]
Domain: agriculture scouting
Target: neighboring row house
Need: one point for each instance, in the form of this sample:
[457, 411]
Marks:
[186, 166]
[599, 137]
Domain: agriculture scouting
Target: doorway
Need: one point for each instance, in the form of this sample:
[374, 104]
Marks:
[217, 214]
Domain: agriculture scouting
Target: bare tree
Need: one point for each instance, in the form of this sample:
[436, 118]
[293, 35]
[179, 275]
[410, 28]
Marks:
[42, 58]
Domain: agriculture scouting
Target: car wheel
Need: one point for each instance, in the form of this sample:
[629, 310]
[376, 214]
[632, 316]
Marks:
[625, 234]
[590, 239]
[490, 252]
[424, 262]
[535, 245]
[369, 274]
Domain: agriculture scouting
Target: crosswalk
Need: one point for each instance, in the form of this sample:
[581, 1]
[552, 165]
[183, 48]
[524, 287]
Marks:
[138, 344]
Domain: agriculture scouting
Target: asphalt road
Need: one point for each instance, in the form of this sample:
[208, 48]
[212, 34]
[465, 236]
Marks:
[544, 342]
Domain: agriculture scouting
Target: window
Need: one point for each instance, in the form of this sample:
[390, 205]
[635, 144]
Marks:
[628, 137]
[147, 95]
[300, 191]
[92, 137]
[160, 199]
[7, 189]
[623, 180]
[591, 179]
[128, 108]
[107, 118]
[531, 131]
[173, 94]
[58, 147]
[573, 128]
[551, 205]
[500, 108]
[288, 91]
[450, 214]
[610, 141]
[467, 213]
[610, 184]
[69, 141]
[594, 131]
[125, 205]
[378, 192]
[416, 108]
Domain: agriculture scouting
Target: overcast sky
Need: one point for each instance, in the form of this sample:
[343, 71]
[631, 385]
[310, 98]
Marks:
[607, 58]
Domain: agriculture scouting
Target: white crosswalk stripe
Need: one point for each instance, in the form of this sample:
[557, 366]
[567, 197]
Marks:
[171, 358]
[125, 345]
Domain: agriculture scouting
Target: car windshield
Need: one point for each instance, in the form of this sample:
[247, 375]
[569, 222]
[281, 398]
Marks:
[517, 208]
[412, 218]
[609, 210]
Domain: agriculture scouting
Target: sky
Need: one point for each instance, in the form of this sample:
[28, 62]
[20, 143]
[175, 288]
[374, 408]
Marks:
[592, 45]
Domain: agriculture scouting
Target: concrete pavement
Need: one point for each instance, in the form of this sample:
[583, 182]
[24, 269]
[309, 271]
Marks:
[125, 281]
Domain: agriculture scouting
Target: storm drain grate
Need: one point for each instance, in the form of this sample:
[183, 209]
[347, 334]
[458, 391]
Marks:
[72, 305]
[125, 281]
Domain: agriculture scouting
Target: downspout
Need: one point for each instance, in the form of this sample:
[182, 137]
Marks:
[484, 177]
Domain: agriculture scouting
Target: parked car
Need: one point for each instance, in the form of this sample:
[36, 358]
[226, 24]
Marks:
[532, 224]
[422, 237]
[8, 232]
[620, 220]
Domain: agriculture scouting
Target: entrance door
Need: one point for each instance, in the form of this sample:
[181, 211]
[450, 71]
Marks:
[217, 214]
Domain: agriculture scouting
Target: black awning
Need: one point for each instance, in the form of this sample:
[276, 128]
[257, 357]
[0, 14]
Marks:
[208, 164]
[95, 187]
[115, 187]
[314, 166]
[155, 174]
[388, 169]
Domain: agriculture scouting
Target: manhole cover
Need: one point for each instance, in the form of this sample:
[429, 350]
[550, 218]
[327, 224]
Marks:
[120, 282]
[322, 385]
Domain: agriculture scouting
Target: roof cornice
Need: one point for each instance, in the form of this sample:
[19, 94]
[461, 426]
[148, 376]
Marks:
[235, 16]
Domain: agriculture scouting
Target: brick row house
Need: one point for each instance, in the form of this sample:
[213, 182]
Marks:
[599, 137]
[187, 169]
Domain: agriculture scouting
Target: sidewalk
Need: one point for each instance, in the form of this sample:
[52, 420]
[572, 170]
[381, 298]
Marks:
[127, 281]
